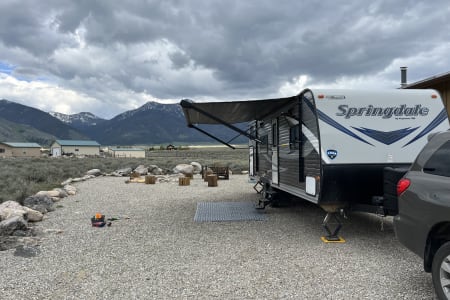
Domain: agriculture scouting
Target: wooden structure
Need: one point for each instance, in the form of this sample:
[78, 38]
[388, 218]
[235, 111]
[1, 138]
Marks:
[212, 180]
[184, 181]
[441, 83]
[150, 179]
[220, 172]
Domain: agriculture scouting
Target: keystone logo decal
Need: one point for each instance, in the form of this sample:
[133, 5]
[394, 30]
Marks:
[331, 153]
[386, 112]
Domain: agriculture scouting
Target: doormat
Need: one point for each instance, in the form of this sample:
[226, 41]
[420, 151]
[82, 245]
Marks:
[227, 211]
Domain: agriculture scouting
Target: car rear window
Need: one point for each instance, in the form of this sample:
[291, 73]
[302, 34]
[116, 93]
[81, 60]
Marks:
[439, 162]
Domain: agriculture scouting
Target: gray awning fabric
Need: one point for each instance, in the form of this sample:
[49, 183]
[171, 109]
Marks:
[231, 112]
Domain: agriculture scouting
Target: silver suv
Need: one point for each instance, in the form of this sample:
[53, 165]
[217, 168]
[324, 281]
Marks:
[423, 221]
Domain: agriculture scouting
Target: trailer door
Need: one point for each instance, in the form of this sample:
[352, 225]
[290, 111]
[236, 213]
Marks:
[275, 166]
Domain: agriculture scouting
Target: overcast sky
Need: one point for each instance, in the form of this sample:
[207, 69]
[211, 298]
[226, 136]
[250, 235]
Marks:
[107, 57]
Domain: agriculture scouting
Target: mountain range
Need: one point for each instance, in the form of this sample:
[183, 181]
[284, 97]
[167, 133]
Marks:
[152, 123]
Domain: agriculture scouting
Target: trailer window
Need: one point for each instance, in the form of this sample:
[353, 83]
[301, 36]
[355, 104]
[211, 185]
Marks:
[294, 137]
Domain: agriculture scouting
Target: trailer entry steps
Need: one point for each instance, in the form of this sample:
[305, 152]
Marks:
[227, 211]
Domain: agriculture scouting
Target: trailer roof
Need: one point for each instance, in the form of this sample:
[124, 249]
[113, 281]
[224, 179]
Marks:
[231, 112]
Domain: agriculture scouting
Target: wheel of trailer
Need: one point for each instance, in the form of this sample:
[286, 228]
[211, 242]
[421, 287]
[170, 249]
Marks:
[441, 271]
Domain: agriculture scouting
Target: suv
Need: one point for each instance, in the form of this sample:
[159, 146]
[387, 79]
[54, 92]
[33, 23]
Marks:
[423, 221]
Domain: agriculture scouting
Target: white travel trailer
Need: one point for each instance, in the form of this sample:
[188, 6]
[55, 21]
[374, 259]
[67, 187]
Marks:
[331, 147]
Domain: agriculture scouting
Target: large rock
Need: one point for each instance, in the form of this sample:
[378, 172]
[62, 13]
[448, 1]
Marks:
[70, 189]
[10, 204]
[141, 170]
[7, 213]
[62, 192]
[33, 215]
[11, 209]
[94, 172]
[197, 167]
[155, 170]
[41, 203]
[7, 227]
[184, 169]
[68, 181]
[48, 193]
[123, 172]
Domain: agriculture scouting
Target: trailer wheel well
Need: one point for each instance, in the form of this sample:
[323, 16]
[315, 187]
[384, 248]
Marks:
[439, 234]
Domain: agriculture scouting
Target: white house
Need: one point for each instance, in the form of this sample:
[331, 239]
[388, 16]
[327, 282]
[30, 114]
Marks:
[75, 147]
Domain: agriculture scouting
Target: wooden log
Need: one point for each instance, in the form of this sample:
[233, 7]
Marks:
[212, 180]
[150, 179]
[184, 181]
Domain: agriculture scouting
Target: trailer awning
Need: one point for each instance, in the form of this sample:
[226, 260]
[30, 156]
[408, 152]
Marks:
[231, 112]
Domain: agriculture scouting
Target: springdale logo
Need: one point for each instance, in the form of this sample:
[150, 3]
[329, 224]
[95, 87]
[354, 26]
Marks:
[386, 112]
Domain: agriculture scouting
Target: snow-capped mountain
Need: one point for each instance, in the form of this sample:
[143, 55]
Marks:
[80, 120]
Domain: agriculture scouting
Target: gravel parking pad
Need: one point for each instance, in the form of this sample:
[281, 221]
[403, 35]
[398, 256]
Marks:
[157, 251]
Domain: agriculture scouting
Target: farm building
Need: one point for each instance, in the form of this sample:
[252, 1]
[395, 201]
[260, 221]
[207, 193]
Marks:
[441, 83]
[8, 149]
[127, 152]
[75, 147]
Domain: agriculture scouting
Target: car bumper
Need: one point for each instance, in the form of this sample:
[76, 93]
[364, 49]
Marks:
[410, 234]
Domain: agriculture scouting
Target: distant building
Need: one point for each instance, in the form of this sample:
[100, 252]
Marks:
[171, 147]
[441, 83]
[127, 152]
[75, 147]
[9, 149]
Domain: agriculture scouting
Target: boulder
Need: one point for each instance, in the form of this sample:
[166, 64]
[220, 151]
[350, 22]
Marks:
[155, 170]
[197, 167]
[10, 204]
[141, 170]
[184, 169]
[94, 172]
[7, 227]
[9, 209]
[87, 177]
[70, 189]
[68, 181]
[123, 172]
[7, 213]
[41, 203]
[62, 192]
[33, 215]
[48, 193]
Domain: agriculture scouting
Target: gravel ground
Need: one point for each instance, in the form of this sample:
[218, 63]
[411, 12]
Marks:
[159, 252]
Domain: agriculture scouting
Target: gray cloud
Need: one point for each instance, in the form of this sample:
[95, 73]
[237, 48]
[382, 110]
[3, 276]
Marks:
[217, 49]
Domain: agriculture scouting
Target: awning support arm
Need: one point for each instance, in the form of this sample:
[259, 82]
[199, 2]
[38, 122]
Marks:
[189, 105]
[211, 136]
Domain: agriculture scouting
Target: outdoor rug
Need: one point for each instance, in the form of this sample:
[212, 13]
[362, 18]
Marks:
[228, 211]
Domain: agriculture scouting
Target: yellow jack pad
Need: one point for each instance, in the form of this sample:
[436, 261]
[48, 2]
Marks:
[340, 240]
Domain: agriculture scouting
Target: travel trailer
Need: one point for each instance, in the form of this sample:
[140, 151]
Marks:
[336, 148]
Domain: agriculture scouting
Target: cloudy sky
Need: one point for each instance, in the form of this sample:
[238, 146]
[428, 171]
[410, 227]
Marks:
[107, 57]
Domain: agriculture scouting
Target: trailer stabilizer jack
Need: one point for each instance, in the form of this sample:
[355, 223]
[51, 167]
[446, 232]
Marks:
[267, 199]
[332, 235]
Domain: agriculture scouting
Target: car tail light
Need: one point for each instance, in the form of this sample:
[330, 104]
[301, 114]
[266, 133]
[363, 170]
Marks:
[402, 185]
